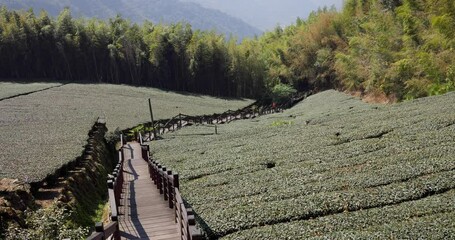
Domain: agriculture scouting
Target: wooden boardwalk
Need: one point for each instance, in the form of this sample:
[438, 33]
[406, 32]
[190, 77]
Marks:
[143, 214]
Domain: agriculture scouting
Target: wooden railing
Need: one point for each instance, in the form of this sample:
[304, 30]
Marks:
[248, 112]
[167, 183]
[114, 185]
[184, 217]
[177, 122]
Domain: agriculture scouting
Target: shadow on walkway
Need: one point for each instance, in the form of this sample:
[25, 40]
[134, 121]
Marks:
[133, 206]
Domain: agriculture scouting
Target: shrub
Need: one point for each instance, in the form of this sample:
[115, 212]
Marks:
[282, 92]
[53, 222]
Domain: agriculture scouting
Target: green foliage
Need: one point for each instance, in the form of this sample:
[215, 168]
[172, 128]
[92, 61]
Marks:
[362, 48]
[117, 51]
[282, 93]
[139, 129]
[53, 222]
[403, 52]
[312, 52]
[446, 86]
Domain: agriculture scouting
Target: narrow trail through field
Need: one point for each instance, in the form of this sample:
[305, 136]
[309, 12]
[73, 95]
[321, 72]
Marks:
[143, 212]
[31, 92]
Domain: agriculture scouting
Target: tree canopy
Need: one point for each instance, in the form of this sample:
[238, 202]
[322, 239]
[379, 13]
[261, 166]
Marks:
[401, 49]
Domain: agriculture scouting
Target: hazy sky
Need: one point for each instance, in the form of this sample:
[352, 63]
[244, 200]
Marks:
[266, 14]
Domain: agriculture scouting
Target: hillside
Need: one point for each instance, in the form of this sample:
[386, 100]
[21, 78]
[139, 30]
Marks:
[332, 167]
[47, 129]
[157, 11]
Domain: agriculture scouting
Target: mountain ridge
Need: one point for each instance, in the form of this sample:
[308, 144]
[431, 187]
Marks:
[157, 11]
[267, 14]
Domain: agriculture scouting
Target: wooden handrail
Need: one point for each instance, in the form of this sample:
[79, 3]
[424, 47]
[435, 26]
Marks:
[247, 112]
[167, 183]
[184, 217]
[103, 232]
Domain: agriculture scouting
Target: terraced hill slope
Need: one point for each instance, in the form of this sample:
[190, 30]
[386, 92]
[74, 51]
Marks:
[332, 167]
[45, 129]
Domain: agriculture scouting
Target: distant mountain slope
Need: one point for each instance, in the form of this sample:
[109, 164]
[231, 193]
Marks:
[164, 11]
[266, 14]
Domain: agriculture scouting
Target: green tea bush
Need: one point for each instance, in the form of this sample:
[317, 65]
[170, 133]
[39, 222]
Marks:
[48, 129]
[339, 158]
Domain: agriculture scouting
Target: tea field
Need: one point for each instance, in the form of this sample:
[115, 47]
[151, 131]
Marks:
[45, 129]
[332, 167]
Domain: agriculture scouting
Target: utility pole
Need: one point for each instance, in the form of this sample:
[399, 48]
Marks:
[151, 116]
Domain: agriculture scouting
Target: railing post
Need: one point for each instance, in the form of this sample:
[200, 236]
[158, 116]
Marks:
[159, 179]
[121, 140]
[119, 182]
[99, 228]
[120, 157]
[170, 189]
[151, 117]
[144, 152]
[116, 235]
[152, 171]
[163, 189]
[191, 221]
[176, 181]
[110, 185]
[193, 232]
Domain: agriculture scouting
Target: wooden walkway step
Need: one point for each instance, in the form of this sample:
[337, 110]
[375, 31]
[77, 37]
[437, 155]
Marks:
[143, 214]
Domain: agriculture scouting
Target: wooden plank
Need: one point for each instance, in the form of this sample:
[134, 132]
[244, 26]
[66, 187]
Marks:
[167, 237]
[143, 211]
[153, 224]
[159, 229]
[163, 232]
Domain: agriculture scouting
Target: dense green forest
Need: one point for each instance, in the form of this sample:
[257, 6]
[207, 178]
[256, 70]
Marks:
[400, 49]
